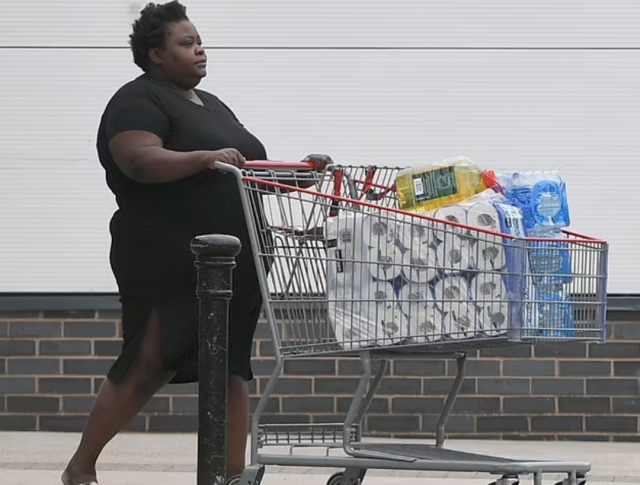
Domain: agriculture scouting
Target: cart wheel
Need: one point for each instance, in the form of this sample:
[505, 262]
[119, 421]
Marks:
[581, 481]
[234, 480]
[507, 480]
[336, 478]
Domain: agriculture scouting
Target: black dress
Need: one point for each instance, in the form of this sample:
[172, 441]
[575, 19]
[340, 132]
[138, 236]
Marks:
[154, 224]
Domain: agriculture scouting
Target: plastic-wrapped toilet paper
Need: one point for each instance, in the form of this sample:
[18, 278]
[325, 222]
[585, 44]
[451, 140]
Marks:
[483, 215]
[450, 290]
[490, 295]
[391, 324]
[453, 298]
[385, 263]
[453, 254]
[380, 231]
[382, 253]
[488, 253]
[420, 263]
[511, 222]
[370, 316]
[425, 320]
[463, 321]
[415, 230]
[452, 213]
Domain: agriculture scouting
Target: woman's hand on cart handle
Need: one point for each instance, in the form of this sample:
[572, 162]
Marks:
[319, 162]
[230, 156]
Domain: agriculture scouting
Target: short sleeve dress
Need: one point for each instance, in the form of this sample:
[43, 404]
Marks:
[153, 226]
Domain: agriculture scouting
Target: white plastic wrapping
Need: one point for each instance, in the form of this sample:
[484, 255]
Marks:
[362, 305]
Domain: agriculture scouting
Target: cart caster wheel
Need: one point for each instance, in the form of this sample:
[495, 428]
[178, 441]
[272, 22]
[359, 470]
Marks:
[581, 481]
[507, 480]
[336, 478]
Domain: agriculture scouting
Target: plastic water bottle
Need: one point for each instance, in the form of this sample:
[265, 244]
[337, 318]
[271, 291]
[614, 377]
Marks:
[541, 196]
[551, 266]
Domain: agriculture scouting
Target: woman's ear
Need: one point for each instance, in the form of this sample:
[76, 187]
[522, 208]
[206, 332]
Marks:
[155, 56]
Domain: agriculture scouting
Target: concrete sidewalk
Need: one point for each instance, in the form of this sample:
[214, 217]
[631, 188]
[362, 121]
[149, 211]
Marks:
[170, 459]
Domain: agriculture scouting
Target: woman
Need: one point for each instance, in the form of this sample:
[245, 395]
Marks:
[158, 141]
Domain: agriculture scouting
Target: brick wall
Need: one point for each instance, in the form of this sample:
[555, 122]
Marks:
[51, 364]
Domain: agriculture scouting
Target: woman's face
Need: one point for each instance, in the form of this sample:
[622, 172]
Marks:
[182, 57]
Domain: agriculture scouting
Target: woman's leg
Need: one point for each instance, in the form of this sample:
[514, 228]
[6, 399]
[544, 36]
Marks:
[238, 425]
[116, 405]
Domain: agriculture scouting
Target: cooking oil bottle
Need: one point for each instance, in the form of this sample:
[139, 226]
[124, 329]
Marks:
[425, 189]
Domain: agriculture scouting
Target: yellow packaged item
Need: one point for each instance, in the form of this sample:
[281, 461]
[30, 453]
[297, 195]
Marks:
[425, 189]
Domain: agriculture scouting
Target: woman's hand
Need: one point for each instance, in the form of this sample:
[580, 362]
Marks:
[320, 162]
[230, 156]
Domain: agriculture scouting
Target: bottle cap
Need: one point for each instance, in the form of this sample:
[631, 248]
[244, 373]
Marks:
[490, 181]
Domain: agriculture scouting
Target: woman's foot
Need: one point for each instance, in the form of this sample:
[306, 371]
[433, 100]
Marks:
[72, 476]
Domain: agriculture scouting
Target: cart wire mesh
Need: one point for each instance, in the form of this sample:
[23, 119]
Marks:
[345, 270]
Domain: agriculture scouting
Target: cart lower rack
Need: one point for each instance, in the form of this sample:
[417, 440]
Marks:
[344, 272]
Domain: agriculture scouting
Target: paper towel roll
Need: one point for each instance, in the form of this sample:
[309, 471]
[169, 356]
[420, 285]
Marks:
[420, 263]
[452, 213]
[488, 253]
[453, 254]
[385, 263]
[490, 294]
[380, 232]
[425, 320]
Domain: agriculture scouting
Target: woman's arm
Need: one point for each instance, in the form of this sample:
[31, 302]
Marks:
[137, 124]
[141, 156]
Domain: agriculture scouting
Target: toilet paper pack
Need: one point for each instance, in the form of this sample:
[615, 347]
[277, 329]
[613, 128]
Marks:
[363, 309]
[463, 321]
[453, 254]
[483, 251]
[488, 252]
[483, 215]
[425, 319]
[490, 295]
[518, 280]
[415, 230]
[451, 213]
[454, 299]
[380, 230]
[368, 317]
[420, 263]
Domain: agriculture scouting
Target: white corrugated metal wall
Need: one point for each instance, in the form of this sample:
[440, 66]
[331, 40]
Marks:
[513, 84]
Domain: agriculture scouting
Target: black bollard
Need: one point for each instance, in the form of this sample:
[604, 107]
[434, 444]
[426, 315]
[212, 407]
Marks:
[215, 261]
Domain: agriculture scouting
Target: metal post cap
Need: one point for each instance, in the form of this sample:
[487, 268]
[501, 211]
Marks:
[220, 245]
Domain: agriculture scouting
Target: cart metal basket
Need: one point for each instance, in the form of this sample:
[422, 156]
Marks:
[344, 272]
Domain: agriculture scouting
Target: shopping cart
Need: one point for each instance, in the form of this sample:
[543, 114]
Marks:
[344, 272]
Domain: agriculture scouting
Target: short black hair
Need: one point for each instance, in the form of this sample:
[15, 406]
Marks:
[152, 27]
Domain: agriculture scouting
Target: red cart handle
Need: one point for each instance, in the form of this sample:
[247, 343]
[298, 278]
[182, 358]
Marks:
[271, 165]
